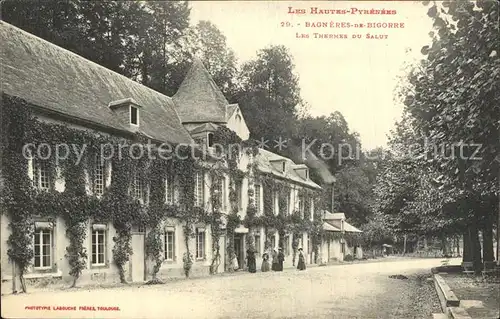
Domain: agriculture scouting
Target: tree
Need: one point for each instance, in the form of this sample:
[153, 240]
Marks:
[452, 103]
[209, 43]
[269, 93]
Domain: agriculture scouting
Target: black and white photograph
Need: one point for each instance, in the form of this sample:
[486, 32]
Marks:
[250, 159]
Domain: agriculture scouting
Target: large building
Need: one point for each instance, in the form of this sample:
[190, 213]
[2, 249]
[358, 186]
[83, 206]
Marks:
[64, 90]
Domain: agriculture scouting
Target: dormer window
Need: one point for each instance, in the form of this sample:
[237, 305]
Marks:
[302, 170]
[279, 165]
[134, 115]
[127, 110]
[210, 139]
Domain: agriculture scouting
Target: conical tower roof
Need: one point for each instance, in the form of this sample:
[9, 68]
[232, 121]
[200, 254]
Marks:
[198, 98]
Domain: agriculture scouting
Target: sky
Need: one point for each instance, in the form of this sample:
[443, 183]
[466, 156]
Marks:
[357, 77]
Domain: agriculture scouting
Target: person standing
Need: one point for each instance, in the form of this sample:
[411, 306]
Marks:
[275, 265]
[234, 262]
[281, 259]
[301, 265]
[252, 267]
[265, 263]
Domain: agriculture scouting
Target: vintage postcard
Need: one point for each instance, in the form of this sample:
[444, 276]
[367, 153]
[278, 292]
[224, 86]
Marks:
[249, 159]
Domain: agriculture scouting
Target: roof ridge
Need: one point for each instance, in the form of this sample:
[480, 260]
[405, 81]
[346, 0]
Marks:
[79, 56]
[27, 50]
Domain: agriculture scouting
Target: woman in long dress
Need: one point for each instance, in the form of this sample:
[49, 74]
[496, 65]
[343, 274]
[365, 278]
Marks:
[252, 267]
[281, 259]
[275, 265]
[265, 263]
[301, 265]
[234, 263]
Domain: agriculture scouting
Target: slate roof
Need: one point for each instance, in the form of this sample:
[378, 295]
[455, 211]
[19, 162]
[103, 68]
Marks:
[350, 228]
[329, 216]
[56, 79]
[198, 98]
[263, 160]
[329, 227]
[205, 127]
[337, 217]
[231, 108]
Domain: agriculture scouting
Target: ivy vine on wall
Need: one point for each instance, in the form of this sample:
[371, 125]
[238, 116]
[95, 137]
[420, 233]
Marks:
[77, 205]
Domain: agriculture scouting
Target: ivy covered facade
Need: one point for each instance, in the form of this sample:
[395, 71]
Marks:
[105, 180]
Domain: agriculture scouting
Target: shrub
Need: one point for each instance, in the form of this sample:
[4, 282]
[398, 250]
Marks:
[348, 258]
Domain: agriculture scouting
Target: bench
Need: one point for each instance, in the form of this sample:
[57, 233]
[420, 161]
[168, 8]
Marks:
[489, 267]
[468, 267]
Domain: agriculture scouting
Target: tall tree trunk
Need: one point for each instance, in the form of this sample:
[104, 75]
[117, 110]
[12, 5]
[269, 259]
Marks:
[467, 253]
[444, 245]
[404, 244]
[458, 245]
[475, 247]
[498, 227]
[488, 239]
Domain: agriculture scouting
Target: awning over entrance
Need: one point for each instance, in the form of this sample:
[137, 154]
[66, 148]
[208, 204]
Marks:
[241, 230]
[350, 228]
[329, 227]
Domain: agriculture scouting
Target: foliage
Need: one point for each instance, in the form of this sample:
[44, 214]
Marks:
[208, 42]
[446, 184]
[269, 93]
[17, 193]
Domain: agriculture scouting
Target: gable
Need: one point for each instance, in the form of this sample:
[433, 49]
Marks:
[236, 122]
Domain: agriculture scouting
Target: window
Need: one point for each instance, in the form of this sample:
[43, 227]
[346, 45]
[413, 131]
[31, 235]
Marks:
[210, 138]
[198, 189]
[273, 242]
[43, 248]
[170, 244]
[219, 188]
[200, 243]
[286, 243]
[169, 189]
[284, 166]
[99, 176]
[257, 198]
[343, 248]
[238, 191]
[301, 206]
[41, 178]
[307, 174]
[134, 115]
[257, 244]
[137, 191]
[98, 245]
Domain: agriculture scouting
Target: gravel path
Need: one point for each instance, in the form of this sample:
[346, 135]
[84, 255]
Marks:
[346, 291]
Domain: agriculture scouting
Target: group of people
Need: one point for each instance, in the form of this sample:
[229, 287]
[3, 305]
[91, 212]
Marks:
[276, 264]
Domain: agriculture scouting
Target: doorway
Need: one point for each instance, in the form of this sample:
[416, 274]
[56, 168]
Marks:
[238, 250]
[137, 261]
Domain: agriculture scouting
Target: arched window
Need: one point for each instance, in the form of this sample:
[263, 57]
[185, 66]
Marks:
[238, 118]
